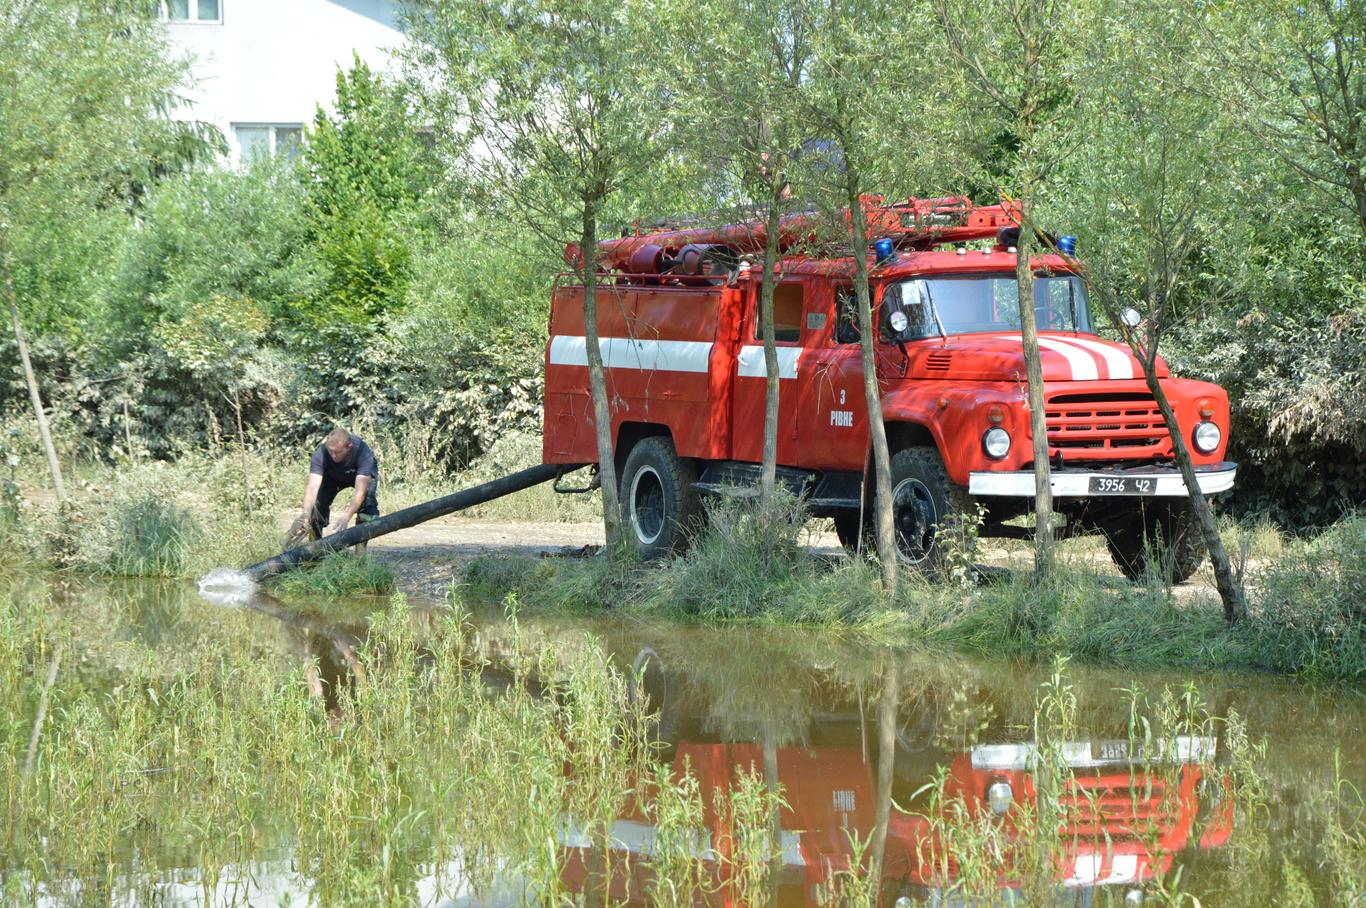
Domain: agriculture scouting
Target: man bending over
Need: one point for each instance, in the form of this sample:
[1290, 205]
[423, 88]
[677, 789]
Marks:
[342, 461]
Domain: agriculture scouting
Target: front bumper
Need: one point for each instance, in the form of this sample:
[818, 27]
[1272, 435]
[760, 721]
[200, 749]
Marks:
[1077, 483]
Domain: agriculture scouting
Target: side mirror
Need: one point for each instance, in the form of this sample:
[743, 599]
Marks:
[1130, 317]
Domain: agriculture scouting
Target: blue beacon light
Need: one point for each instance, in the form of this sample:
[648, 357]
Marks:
[884, 251]
[1067, 245]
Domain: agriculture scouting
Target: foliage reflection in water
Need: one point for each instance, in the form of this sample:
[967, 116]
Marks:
[194, 754]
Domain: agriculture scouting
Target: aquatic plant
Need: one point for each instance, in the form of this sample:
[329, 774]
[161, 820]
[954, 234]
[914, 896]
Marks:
[426, 754]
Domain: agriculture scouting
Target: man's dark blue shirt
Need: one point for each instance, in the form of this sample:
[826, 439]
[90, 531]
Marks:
[360, 462]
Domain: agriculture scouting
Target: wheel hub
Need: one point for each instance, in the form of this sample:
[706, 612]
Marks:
[647, 506]
[914, 517]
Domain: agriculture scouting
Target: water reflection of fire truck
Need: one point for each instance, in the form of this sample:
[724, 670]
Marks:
[1123, 823]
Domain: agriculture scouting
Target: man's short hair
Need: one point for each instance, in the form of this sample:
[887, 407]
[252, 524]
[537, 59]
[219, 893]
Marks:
[337, 438]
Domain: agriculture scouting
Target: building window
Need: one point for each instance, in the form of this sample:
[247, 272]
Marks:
[192, 10]
[256, 141]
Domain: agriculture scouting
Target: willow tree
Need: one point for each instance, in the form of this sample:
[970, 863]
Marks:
[556, 109]
[1294, 76]
[84, 90]
[848, 103]
[1012, 57]
[742, 115]
[1146, 192]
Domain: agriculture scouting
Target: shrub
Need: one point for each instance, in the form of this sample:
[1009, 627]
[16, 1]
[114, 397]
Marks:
[141, 534]
[190, 311]
[1310, 611]
[741, 563]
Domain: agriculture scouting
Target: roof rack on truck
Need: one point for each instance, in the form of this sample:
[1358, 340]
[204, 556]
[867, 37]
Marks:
[709, 253]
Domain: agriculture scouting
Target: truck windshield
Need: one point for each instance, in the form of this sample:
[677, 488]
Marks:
[975, 304]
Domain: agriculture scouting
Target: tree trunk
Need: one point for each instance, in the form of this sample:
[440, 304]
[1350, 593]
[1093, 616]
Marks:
[31, 380]
[769, 471]
[1230, 590]
[773, 786]
[1029, 337]
[882, 458]
[241, 447]
[597, 383]
[886, 757]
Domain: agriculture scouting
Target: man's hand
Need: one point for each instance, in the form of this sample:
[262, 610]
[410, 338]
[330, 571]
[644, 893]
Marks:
[339, 524]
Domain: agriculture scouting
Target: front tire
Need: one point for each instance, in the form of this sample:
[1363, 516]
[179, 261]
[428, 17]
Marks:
[659, 505]
[1163, 536]
[926, 506]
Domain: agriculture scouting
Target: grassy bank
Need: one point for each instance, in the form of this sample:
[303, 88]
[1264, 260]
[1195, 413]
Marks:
[1308, 613]
[207, 509]
[156, 519]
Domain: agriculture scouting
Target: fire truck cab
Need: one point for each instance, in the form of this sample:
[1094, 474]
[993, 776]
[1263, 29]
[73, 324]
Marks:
[682, 350]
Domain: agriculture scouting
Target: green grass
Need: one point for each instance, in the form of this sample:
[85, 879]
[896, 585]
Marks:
[207, 510]
[1308, 605]
[142, 535]
[748, 567]
[224, 750]
[335, 576]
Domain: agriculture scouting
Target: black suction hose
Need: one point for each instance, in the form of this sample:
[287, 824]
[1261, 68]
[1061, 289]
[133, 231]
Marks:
[407, 517]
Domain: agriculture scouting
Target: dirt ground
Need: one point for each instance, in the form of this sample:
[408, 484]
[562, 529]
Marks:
[427, 558]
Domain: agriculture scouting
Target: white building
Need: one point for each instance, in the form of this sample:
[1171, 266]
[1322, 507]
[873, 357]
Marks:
[262, 67]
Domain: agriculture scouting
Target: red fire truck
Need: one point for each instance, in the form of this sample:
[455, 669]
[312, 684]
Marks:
[686, 380]
[1122, 821]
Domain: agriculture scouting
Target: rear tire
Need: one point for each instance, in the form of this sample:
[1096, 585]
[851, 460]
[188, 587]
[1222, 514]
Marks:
[1163, 535]
[658, 503]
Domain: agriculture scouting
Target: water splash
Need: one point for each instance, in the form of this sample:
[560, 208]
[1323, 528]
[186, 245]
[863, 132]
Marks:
[226, 586]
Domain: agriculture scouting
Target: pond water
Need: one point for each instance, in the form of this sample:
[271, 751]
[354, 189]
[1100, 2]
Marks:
[856, 736]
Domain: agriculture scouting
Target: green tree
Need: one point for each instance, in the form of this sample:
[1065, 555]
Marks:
[1011, 57]
[558, 108]
[848, 103]
[1145, 191]
[1294, 75]
[367, 172]
[741, 111]
[83, 93]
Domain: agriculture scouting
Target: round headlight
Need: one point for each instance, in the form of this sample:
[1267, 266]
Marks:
[899, 321]
[999, 796]
[1206, 437]
[996, 442]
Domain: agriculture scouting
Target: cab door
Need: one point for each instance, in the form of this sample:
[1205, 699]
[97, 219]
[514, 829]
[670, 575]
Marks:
[751, 379]
[832, 428]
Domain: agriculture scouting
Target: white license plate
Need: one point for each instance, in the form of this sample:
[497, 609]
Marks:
[1123, 485]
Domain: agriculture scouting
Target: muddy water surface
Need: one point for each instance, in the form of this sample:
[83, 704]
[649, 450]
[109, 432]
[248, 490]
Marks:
[855, 736]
